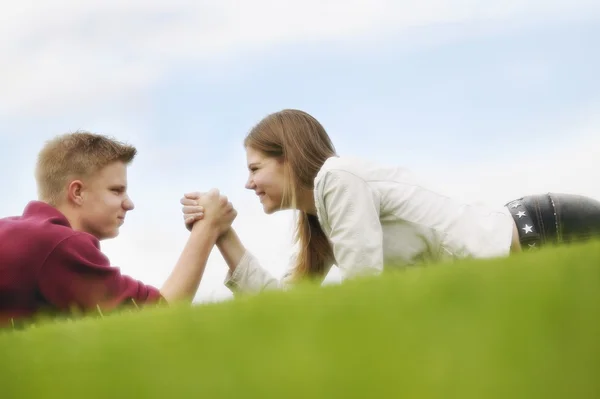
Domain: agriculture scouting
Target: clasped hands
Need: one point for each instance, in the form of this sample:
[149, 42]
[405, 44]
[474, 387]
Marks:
[212, 207]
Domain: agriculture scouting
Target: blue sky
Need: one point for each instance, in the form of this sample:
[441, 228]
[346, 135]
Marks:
[486, 101]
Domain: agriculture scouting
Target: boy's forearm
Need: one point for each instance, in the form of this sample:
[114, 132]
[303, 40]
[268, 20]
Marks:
[231, 248]
[183, 282]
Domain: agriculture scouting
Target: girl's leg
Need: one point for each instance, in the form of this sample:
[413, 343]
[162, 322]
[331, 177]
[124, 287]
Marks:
[552, 219]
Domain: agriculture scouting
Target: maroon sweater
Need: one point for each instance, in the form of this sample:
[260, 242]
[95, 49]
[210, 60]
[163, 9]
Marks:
[45, 265]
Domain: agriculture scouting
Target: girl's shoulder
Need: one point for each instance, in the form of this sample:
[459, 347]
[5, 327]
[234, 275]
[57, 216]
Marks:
[360, 168]
[348, 164]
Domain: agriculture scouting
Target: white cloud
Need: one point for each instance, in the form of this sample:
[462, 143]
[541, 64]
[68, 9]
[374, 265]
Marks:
[569, 163]
[63, 53]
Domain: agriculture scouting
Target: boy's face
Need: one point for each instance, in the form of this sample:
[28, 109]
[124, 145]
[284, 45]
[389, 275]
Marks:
[105, 201]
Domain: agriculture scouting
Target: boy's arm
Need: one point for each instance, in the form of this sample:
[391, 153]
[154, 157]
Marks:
[77, 274]
[184, 280]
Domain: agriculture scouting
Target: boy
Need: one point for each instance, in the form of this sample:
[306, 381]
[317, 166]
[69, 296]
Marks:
[50, 258]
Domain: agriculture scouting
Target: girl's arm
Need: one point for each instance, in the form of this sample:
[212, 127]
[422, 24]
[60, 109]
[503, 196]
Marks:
[245, 273]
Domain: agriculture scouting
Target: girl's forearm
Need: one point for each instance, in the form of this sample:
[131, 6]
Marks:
[231, 248]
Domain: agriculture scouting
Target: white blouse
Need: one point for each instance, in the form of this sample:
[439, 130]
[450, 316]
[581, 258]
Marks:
[377, 216]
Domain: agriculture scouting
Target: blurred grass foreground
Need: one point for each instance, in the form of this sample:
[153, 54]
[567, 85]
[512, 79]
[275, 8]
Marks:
[527, 326]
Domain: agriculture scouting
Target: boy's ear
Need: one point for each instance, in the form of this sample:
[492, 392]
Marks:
[75, 192]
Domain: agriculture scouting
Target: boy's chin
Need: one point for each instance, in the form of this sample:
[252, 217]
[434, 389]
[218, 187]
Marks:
[109, 235]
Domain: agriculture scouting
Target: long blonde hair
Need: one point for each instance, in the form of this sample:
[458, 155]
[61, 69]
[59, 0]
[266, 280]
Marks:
[304, 145]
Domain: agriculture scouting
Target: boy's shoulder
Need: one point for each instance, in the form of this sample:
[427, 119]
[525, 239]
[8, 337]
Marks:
[40, 228]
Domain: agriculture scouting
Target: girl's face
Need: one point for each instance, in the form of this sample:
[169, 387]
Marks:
[266, 178]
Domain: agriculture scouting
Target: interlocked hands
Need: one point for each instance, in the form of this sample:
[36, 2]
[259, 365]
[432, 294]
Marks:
[212, 207]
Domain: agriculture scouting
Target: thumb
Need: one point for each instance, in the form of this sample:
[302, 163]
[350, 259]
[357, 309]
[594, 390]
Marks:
[193, 195]
[213, 191]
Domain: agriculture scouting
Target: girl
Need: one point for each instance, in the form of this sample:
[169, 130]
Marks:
[363, 216]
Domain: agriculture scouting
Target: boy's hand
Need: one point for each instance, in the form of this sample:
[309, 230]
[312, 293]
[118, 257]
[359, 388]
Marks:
[212, 207]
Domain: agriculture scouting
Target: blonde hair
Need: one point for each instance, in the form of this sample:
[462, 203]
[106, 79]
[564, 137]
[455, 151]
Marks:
[73, 156]
[303, 144]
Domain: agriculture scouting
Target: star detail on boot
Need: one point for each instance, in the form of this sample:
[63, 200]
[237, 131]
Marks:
[528, 229]
[520, 214]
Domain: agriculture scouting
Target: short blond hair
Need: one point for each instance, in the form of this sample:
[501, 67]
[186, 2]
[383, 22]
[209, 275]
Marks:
[73, 156]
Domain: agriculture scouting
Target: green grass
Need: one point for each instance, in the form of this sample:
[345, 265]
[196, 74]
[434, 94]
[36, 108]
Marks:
[522, 327]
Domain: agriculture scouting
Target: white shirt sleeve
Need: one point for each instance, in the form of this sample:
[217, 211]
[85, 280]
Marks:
[349, 214]
[250, 277]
